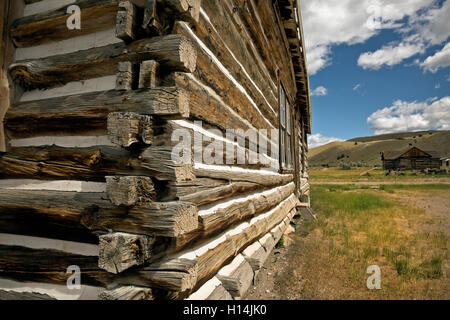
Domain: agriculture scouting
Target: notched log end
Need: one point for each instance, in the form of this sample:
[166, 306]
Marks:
[188, 54]
[128, 128]
[128, 191]
[121, 251]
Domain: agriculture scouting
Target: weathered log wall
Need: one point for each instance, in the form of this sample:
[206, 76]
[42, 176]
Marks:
[89, 154]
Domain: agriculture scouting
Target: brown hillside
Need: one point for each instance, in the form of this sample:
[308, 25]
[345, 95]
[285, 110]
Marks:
[368, 149]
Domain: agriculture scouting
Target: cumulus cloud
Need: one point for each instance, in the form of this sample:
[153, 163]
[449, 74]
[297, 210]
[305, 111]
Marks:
[316, 140]
[389, 55]
[319, 91]
[332, 22]
[440, 59]
[424, 29]
[405, 116]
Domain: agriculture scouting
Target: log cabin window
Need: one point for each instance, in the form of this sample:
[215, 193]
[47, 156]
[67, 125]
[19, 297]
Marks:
[286, 157]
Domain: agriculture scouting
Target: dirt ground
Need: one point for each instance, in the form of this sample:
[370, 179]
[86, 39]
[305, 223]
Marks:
[294, 273]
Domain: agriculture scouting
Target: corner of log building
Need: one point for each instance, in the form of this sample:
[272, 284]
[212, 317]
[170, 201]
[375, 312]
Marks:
[87, 172]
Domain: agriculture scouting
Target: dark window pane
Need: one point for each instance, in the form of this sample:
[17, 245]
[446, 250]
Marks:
[288, 120]
[282, 95]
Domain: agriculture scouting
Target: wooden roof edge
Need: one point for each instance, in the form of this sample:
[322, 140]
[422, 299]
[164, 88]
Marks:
[395, 154]
[305, 66]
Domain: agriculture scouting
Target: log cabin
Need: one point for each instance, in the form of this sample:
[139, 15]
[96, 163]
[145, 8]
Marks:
[411, 159]
[94, 96]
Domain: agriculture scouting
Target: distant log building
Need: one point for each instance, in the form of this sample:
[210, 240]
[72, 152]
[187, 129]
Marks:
[412, 159]
[87, 176]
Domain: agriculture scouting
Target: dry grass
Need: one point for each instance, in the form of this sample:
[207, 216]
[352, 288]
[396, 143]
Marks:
[359, 227]
[354, 175]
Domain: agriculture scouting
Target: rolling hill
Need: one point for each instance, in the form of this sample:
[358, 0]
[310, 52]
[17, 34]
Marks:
[367, 150]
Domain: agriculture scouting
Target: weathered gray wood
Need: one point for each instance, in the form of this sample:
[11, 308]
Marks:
[175, 274]
[93, 211]
[167, 219]
[236, 277]
[159, 160]
[96, 15]
[49, 266]
[128, 128]
[127, 293]
[121, 251]
[126, 21]
[89, 111]
[256, 255]
[220, 293]
[93, 163]
[174, 52]
[26, 264]
[254, 176]
[128, 191]
[152, 23]
[125, 76]
[148, 74]
[13, 295]
[188, 9]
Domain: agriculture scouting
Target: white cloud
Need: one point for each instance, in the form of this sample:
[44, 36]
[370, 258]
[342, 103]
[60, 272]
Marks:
[424, 29]
[332, 22]
[405, 116]
[355, 88]
[319, 91]
[440, 59]
[316, 140]
[389, 55]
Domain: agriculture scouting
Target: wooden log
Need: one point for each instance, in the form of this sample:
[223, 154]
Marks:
[121, 251]
[148, 75]
[125, 76]
[262, 177]
[152, 23]
[13, 295]
[204, 190]
[174, 52]
[92, 210]
[256, 255]
[211, 290]
[226, 40]
[268, 242]
[49, 266]
[212, 73]
[219, 216]
[62, 207]
[128, 128]
[89, 111]
[127, 293]
[166, 219]
[185, 9]
[158, 159]
[96, 15]
[128, 191]
[126, 21]
[220, 293]
[212, 136]
[93, 163]
[237, 277]
[170, 274]
[26, 264]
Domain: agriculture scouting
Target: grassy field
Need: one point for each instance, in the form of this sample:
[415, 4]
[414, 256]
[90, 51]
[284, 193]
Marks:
[318, 175]
[402, 229]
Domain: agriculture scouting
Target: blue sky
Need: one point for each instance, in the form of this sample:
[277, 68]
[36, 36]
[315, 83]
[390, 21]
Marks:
[377, 66]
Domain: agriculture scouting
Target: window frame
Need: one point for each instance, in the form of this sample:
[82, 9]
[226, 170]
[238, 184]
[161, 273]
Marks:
[285, 125]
